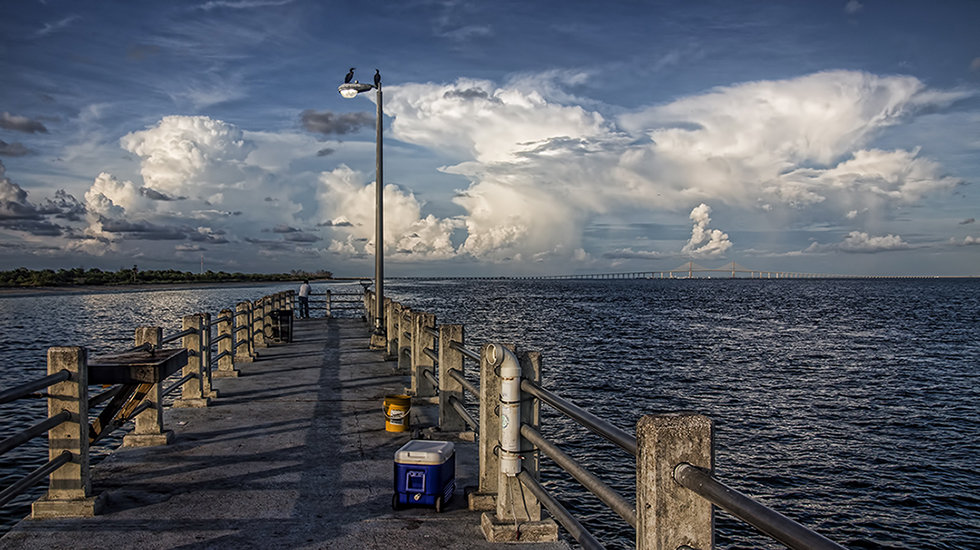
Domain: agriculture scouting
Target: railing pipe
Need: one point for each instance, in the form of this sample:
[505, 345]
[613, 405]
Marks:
[604, 492]
[177, 336]
[223, 319]
[464, 350]
[769, 521]
[467, 417]
[467, 385]
[431, 331]
[96, 400]
[142, 347]
[583, 417]
[431, 354]
[34, 477]
[25, 390]
[34, 431]
[572, 525]
[177, 384]
[427, 374]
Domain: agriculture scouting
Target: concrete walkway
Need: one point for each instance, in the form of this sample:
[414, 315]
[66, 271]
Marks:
[292, 454]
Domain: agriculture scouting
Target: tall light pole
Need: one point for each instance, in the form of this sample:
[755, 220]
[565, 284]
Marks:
[350, 90]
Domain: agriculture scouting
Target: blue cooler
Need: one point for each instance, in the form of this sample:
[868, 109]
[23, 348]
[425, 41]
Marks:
[425, 473]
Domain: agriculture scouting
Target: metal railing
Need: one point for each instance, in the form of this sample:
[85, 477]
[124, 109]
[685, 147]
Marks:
[239, 333]
[414, 338]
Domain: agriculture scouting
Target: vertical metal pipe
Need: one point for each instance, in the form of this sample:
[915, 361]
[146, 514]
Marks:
[379, 327]
[510, 408]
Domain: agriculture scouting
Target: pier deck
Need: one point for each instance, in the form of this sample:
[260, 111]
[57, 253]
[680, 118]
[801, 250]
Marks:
[292, 454]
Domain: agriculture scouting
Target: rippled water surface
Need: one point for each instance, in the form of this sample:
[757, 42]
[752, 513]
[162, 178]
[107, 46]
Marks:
[850, 406]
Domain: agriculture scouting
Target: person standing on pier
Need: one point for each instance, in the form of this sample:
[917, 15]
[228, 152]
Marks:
[304, 300]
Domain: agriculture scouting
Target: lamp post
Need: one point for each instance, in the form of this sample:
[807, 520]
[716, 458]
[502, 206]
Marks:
[350, 90]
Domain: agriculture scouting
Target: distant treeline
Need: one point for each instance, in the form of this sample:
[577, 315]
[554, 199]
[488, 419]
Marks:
[22, 277]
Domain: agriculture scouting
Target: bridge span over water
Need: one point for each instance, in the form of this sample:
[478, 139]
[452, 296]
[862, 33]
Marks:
[688, 270]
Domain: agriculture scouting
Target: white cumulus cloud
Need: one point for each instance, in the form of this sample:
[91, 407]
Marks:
[705, 242]
[860, 242]
[541, 170]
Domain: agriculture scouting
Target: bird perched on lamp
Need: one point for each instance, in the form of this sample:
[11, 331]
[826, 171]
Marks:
[377, 78]
[350, 76]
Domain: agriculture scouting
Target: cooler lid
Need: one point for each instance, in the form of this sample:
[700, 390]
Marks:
[420, 451]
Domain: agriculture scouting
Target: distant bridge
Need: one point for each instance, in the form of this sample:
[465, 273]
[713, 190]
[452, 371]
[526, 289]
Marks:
[687, 270]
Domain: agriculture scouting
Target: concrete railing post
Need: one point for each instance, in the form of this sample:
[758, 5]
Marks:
[192, 391]
[405, 340]
[391, 330]
[290, 304]
[258, 326]
[70, 486]
[243, 330]
[148, 429]
[518, 513]
[486, 493]
[531, 415]
[387, 327]
[268, 303]
[206, 356]
[226, 349]
[422, 340]
[450, 360]
[368, 307]
[670, 516]
[328, 305]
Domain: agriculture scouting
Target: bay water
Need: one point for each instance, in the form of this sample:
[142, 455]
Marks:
[852, 406]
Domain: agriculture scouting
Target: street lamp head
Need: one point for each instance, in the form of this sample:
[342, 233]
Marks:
[351, 89]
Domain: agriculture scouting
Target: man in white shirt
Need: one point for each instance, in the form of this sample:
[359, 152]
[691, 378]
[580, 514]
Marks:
[304, 300]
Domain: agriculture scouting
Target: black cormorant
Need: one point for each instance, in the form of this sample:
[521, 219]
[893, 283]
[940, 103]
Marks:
[377, 78]
[349, 76]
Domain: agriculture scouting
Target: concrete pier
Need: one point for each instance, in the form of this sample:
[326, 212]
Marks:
[292, 454]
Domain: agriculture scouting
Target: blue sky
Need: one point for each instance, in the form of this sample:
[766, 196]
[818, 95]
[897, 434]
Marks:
[520, 137]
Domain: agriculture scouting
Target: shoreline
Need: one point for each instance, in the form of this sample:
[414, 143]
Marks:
[152, 287]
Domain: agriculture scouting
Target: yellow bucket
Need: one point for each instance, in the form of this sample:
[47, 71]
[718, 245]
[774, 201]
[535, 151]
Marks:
[397, 409]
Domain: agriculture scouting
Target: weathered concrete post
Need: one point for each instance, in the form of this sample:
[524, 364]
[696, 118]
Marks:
[450, 360]
[243, 329]
[192, 391]
[531, 415]
[226, 350]
[393, 314]
[206, 355]
[515, 503]
[486, 493]
[148, 430]
[268, 303]
[327, 304]
[258, 326]
[405, 321]
[290, 304]
[368, 307]
[70, 486]
[670, 516]
[422, 340]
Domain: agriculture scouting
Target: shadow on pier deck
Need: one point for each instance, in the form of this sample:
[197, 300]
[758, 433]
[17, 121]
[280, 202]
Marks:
[292, 454]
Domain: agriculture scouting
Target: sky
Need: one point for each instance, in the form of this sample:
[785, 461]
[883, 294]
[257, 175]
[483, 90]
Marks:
[520, 138]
